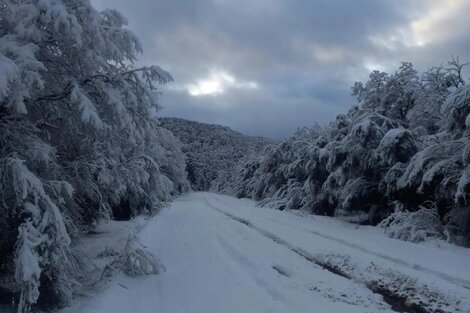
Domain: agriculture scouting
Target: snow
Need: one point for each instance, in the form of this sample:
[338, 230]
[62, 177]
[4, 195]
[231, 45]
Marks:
[108, 235]
[223, 254]
[418, 226]
[28, 260]
[392, 137]
[86, 106]
[8, 70]
[462, 186]
[56, 13]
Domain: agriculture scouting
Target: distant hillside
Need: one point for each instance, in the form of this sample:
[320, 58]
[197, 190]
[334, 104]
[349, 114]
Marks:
[212, 149]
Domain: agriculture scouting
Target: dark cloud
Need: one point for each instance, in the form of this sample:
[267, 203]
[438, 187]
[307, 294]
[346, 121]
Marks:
[302, 55]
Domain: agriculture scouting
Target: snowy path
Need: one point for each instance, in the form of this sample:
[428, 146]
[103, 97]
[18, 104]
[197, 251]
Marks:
[222, 254]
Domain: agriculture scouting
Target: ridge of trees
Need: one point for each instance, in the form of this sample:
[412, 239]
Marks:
[212, 150]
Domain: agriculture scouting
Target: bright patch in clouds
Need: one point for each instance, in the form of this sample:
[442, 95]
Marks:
[217, 83]
[441, 21]
[322, 53]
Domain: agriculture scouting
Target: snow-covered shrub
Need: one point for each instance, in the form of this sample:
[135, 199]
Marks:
[418, 226]
[140, 262]
[133, 260]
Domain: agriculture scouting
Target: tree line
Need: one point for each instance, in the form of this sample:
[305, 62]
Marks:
[401, 157]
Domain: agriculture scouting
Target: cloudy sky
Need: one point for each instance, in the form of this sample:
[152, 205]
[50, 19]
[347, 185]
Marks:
[266, 67]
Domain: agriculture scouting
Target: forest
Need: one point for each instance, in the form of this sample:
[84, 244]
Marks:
[81, 140]
[212, 150]
[399, 158]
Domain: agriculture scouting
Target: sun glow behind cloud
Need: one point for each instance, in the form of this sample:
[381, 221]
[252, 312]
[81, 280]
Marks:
[436, 24]
[216, 83]
[438, 21]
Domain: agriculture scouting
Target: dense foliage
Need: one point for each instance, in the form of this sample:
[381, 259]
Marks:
[212, 150]
[405, 148]
[79, 141]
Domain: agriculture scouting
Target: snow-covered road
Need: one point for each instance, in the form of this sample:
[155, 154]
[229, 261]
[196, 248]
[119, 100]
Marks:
[223, 254]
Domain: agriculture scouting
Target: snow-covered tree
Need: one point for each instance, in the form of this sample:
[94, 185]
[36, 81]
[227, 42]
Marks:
[406, 145]
[371, 95]
[431, 95]
[79, 137]
[401, 92]
[393, 95]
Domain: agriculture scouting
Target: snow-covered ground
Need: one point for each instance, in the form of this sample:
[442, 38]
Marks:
[223, 254]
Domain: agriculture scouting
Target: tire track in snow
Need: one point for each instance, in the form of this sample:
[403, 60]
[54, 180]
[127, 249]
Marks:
[238, 255]
[396, 302]
[451, 279]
